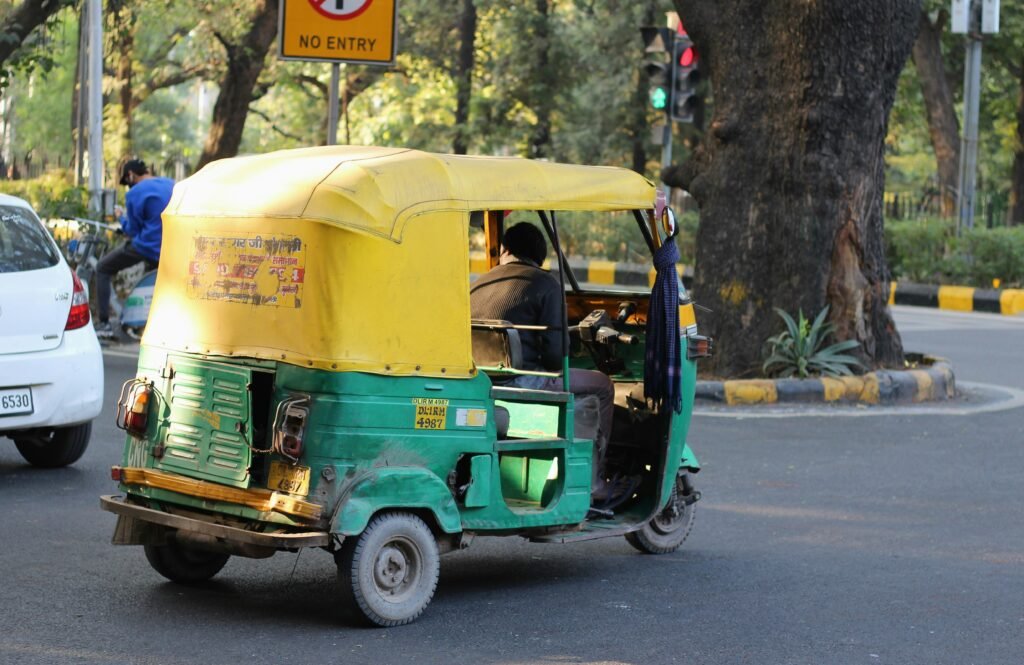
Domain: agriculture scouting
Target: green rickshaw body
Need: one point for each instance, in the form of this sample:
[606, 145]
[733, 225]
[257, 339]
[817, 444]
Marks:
[310, 374]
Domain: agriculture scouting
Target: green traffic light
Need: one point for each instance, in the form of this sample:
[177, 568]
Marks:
[659, 98]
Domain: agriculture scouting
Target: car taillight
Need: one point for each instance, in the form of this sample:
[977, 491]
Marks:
[79, 316]
[134, 404]
[290, 426]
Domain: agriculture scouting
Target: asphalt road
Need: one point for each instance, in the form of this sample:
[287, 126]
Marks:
[825, 540]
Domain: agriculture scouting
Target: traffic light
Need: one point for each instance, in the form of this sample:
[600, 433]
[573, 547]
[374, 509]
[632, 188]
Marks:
[685, 80]
[658, 66]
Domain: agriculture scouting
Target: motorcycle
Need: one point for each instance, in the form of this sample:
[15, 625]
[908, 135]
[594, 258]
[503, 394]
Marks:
[84, 254]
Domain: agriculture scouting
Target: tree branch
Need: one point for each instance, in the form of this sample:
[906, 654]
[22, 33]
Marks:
[20, 23]
[273, 125]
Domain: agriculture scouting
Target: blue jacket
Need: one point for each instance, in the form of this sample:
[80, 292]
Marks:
[141, 220]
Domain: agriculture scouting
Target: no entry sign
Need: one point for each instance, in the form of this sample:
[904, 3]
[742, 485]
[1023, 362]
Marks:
[359, 31]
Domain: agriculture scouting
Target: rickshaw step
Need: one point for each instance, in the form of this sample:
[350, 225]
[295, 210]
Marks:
[525, 445]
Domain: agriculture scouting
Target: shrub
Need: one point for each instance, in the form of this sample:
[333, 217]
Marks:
[983, 255]
[51, 194]
[929, 251]
[797, 351]
[916, 249]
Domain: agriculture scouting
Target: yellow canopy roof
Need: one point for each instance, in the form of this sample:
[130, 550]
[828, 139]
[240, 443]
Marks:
[376, 190]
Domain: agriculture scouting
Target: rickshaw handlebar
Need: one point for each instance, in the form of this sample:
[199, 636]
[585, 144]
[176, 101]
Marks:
[97, 225]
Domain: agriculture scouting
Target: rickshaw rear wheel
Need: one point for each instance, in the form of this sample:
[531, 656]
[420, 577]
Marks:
[668, 529]
[183, 564]
[388, 573]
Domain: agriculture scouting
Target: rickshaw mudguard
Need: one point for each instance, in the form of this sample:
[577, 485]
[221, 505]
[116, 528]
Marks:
[689, 459]
[395, 488]
[678, 449]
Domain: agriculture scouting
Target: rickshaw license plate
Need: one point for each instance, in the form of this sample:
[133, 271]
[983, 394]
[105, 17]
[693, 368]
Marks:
[289, 478]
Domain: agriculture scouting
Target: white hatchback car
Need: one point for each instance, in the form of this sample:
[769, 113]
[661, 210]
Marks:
[51, 365]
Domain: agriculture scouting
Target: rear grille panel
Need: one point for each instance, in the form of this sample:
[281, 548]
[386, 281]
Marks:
[207, 427]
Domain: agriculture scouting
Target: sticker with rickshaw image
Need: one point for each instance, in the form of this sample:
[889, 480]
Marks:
[266, 271]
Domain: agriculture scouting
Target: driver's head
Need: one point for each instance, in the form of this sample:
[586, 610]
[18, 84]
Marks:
[132, 171]
[525, 241]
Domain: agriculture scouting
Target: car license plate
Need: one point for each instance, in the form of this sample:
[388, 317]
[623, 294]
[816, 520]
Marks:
[15, 401]
[289, 478]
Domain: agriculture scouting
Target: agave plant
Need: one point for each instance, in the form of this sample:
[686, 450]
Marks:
[797, 350]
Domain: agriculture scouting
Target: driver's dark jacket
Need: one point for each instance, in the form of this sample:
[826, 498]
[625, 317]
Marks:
[521, 293]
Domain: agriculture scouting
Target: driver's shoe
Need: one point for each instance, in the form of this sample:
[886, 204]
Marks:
[104, 330]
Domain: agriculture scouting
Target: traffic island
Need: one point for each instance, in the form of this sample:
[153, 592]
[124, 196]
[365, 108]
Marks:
[927, 379]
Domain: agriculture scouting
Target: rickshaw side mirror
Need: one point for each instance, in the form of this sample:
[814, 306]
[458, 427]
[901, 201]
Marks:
[668, 223]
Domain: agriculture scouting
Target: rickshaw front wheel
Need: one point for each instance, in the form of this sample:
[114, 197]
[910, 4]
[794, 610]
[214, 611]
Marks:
[388, 573]
[669, 528]
[183, 564]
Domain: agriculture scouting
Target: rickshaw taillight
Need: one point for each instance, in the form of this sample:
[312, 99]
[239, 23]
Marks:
[290, 426]
[134, 400]
[699, 346]
[138, 413]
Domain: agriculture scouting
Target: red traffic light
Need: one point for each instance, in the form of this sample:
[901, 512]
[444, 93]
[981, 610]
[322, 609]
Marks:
[687, 57]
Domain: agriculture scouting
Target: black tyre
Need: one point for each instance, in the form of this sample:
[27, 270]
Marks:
[669, 528]
[134, 333]
[59, 447]
[388, 573]
[184, 565]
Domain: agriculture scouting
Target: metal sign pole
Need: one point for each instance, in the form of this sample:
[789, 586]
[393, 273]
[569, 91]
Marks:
[332, 105]
[95, 107]
[972, 102]
[666, 157]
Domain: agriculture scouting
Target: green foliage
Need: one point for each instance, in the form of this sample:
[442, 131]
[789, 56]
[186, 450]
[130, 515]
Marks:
[982, 256]
[52, 195]
[916, 249]
[910, 160]
[797, 351]
[36, 52]
[929, 251]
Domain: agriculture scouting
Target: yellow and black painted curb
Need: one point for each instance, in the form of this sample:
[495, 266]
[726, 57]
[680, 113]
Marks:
[930, 379]
[958, 298]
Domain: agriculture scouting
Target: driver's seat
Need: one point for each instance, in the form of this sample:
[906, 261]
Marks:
[496, 344]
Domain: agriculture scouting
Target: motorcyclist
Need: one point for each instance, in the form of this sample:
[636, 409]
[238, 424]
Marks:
[145, 200]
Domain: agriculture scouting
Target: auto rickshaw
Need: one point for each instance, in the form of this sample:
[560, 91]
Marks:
[311, 376]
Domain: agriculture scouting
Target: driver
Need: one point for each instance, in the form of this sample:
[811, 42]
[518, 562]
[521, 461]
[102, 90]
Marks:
[517, 290]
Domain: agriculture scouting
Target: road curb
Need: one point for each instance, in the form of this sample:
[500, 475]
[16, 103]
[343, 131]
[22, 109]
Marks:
[931, 379]
[958, 298]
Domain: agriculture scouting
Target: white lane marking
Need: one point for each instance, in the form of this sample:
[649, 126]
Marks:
[121, 354]
[1015, 399]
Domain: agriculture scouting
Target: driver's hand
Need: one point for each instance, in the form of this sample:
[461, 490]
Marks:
[118, 212]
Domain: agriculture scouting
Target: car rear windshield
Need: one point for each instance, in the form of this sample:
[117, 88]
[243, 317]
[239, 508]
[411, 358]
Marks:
[24, 243]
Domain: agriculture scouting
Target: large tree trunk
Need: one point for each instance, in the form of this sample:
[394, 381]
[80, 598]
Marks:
[790, 175]
[1017, 182]
[122, 21]
[464, 76]
[938, 101]
[245, 63]
[543, 100]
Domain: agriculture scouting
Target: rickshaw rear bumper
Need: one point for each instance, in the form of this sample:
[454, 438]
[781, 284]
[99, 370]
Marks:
[225, 534]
